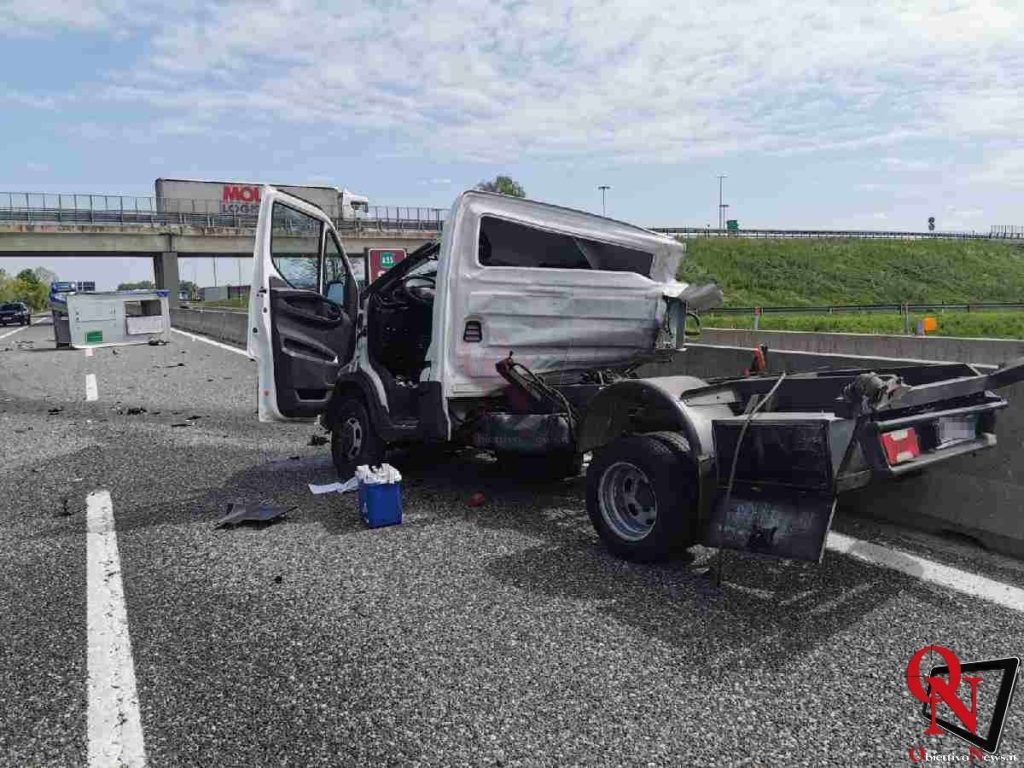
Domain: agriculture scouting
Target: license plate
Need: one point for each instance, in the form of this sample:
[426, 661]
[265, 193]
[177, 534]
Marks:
[901, 445]
[955, 428]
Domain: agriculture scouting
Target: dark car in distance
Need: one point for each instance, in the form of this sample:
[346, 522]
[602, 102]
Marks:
[15, 312]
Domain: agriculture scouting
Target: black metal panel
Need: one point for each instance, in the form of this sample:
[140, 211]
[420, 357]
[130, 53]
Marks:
[777, 522]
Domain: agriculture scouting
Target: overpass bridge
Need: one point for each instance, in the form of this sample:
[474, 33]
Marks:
[107, 225]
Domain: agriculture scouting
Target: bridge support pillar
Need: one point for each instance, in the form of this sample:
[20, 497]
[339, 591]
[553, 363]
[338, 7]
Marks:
[165, 273]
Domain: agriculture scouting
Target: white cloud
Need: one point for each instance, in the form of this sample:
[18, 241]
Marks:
[631, 80]
[1005, 169]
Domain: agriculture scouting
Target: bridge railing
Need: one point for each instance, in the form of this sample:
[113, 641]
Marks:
[39, 207]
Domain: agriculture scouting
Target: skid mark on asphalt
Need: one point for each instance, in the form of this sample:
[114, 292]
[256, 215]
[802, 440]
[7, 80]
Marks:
[228, 347]
[926, 570]
[114, 725]
[91, 390]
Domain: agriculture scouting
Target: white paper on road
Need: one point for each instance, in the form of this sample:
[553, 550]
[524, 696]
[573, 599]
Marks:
[348, 485]
[385, 474]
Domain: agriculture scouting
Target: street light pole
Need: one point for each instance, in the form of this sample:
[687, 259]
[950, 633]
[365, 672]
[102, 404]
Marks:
[604, 188]
[720, 207]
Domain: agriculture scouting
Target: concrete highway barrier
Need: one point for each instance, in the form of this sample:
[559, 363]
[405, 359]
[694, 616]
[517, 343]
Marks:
[219, 324]
[980, 496]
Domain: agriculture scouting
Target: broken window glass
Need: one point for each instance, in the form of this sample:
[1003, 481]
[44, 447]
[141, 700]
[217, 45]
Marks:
[510, 244]
[295, 246]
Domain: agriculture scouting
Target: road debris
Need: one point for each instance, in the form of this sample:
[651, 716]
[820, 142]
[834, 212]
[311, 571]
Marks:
[318, 440]
[477, 500]
[238, 513]
[349, 485]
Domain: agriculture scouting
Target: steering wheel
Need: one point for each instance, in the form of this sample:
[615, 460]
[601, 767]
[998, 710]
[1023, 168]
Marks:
[419, 288]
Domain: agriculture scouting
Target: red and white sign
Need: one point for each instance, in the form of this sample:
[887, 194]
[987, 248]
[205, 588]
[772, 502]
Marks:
[380, 260]
[240, 199]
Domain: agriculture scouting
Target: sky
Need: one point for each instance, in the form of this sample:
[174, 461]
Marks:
[866, 114]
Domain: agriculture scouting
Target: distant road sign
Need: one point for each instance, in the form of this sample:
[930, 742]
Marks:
[380, 260]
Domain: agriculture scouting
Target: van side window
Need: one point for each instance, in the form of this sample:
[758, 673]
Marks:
[295, 246]
[509, 244]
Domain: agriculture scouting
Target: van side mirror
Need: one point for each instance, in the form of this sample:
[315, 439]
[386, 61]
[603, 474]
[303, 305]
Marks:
[336, 292]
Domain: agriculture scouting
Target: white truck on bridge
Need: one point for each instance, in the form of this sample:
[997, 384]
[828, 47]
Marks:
[242, 198]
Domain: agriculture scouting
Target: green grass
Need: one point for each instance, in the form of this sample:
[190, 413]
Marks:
[847, 271]
[986, 324]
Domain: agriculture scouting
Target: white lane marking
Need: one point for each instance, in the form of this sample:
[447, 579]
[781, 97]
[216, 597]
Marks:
[114, 724]
[11, 333]
[91, 390]
[953, 578]
[228, 347]
[88, 351]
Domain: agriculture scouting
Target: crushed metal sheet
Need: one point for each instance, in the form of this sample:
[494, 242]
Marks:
[243, 513]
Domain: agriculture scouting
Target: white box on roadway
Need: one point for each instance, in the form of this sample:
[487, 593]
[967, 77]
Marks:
[117, 317]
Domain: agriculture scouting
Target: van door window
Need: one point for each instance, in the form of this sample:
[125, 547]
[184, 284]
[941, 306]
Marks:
[510, 244]
[295, 246]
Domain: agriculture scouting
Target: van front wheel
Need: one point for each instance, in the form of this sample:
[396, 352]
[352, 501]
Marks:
[354, 441]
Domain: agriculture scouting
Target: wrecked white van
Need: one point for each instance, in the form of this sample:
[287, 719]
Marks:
[520, 332]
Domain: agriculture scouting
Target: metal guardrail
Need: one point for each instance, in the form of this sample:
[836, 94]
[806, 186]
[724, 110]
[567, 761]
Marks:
[832, 234]
[902, 309]
[32, 207]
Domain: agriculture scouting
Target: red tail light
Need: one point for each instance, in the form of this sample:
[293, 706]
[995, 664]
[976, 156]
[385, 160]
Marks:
[901, 445]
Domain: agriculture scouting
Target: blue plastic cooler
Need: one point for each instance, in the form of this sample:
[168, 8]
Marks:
[380, 504]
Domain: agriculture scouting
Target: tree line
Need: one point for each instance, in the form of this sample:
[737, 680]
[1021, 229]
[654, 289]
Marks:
[31, 286]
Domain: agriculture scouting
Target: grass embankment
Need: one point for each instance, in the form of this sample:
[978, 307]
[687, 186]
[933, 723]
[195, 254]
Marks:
[826, 272]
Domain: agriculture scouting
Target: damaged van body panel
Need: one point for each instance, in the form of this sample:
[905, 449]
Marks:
[562, 289]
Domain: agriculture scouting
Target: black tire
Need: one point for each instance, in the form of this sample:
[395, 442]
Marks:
[642, 493]
[542, 468]
[354, 441]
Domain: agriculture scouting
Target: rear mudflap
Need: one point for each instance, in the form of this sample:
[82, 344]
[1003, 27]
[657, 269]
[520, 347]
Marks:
[783, 523]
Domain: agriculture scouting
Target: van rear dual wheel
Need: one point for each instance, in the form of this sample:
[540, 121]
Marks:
[353, 439]
[642, 496]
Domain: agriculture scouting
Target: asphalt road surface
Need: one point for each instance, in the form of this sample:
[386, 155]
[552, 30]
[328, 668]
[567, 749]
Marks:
[494, 635]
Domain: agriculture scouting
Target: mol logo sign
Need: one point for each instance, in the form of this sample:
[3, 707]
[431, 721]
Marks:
[240, 199]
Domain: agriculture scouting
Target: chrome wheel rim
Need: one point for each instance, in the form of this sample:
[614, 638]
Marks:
[351, 438]
[627, 502]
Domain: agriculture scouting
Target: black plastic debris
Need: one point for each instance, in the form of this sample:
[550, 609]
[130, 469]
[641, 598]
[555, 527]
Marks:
[55, 410]
[135, 411]
[318, 439]
[156, 342]
[244, 513]
[182, 424]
